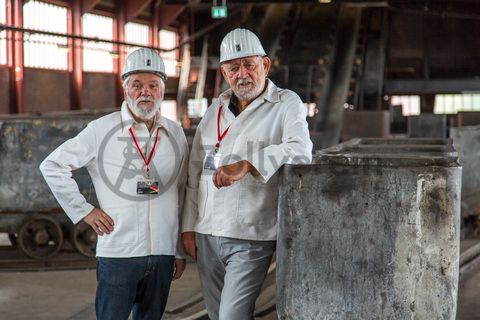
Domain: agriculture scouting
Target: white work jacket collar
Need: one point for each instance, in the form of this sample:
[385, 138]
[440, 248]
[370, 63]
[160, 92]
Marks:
[270, 94]
[128, 121]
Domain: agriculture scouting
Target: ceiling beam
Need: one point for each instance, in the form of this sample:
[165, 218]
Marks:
[417, 86]
[168, 14]
[135, 8]
[88, 5]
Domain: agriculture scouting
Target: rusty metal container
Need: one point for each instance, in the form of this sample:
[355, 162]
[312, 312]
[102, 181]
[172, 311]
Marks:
[29, 212]
[467, 141]
[370, 230]
[427, 125]
[365, 124]
[24, 143]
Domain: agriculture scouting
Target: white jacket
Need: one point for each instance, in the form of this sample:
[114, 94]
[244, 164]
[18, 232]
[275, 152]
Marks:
[270, 132]
[143, 224]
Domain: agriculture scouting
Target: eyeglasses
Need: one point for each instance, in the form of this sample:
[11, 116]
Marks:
[232, 68]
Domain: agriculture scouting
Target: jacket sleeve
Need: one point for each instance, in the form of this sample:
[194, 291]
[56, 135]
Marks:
[190, 211]
[296, 146]
[57, 169]
[182, 181]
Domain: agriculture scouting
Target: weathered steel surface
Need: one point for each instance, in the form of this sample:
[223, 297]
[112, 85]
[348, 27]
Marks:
[467, 142]
[370, 235]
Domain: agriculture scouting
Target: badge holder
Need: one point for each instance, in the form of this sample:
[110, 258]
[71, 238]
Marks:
[212, 160]
[147, 186]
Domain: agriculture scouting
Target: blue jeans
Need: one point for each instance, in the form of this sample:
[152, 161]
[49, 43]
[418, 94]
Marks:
[139, 284]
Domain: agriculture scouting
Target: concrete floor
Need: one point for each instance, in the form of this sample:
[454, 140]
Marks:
[47, 295]
[468, 307]
[69, 295]
[66, 295]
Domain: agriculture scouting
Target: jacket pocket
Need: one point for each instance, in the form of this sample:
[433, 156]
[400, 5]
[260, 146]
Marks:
[258, 202]
[125, 230]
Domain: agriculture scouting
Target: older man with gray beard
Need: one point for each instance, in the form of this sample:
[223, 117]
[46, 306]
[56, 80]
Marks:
[229, 221]
[137, 160]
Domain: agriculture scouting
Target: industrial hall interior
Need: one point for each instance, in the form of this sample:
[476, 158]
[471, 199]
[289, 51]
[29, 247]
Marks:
[237, 160]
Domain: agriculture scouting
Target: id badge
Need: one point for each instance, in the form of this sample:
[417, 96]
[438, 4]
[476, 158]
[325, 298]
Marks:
[147, 186]
[211, 161]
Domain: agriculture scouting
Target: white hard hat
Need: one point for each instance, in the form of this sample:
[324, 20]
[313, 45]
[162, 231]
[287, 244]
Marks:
[240, 43]
[144, 60]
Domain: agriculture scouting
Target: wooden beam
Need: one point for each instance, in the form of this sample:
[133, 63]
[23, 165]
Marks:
[88, 5]
[168, 14]
[135, 8]
[431, 86]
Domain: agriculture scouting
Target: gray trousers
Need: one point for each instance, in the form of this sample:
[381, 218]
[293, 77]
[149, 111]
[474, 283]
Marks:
[231, 274]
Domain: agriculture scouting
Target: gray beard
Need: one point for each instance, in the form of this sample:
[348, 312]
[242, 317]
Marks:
[141, 113]
[245, 95]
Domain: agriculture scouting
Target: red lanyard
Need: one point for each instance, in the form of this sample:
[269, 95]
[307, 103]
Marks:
[147, 162]
[220, 135]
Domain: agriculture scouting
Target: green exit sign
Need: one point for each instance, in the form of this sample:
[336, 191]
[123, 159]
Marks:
[219, 12]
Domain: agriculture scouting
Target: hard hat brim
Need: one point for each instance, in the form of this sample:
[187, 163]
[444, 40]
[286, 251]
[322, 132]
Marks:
[244, 56]
[162, 75]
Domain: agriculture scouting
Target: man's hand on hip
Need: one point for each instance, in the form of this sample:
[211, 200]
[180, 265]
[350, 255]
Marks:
[178, 268]
[99, 221]
[188, 243]
[226, 175]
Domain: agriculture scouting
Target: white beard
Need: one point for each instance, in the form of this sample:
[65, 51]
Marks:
[141, 113]
[246, 94]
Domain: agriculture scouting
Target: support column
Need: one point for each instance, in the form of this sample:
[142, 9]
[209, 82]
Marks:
[184, 77]
[375, 59]
[119, 35]
[15, 55]
[75, 56]
[346, 40]
[154, 38]
[272, 27]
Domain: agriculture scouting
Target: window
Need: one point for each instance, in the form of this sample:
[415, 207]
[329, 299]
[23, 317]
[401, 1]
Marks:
[44, 51]
[97, 56]
[410, 104]
[169, 109]
[135, 33]
[3, 34]
[453, 103]
[169, 40]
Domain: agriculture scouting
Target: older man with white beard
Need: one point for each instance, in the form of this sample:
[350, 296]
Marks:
[229, 222]
[137, 160]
